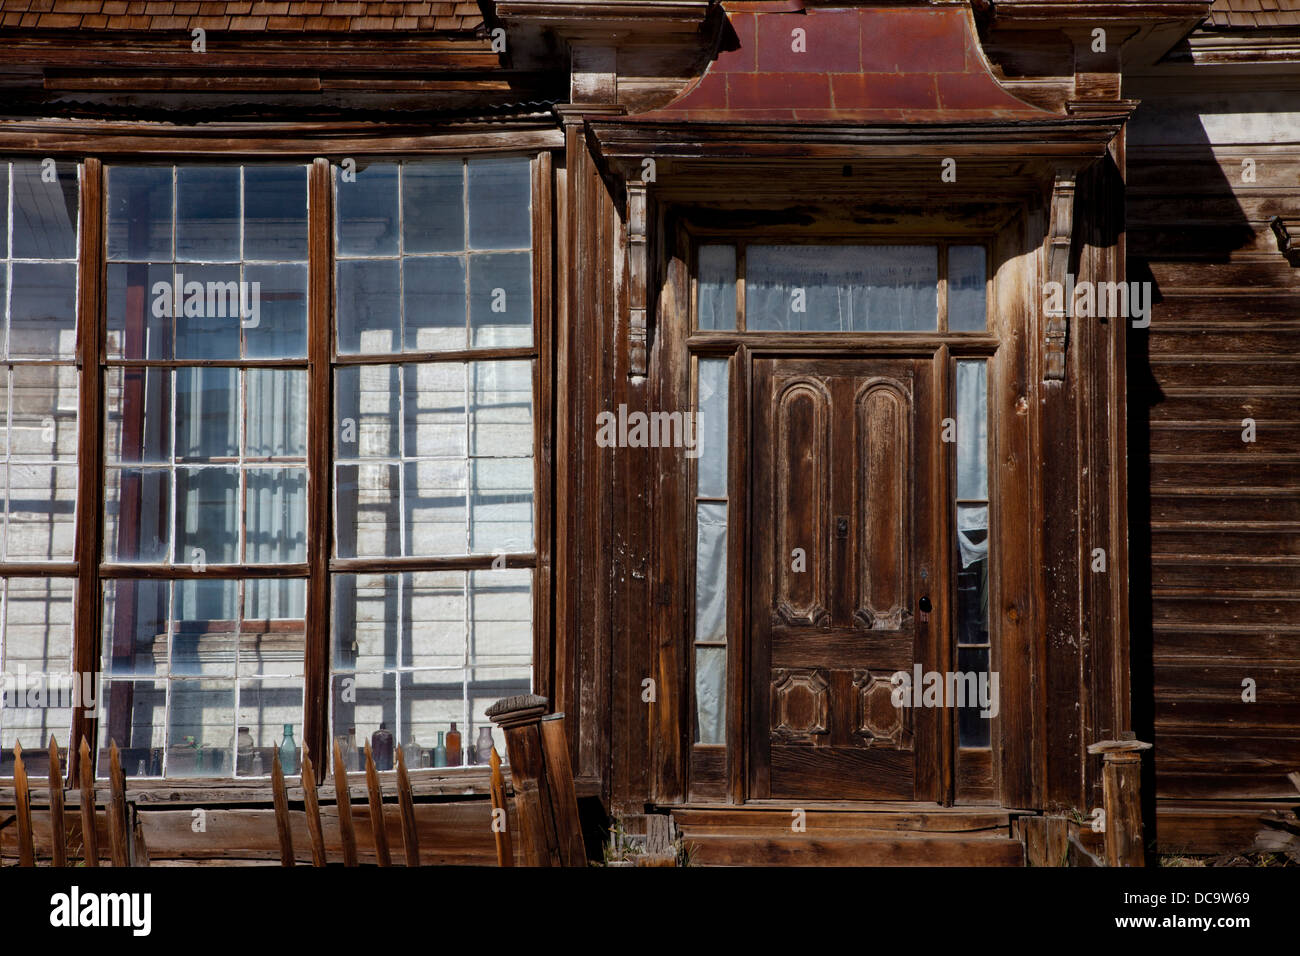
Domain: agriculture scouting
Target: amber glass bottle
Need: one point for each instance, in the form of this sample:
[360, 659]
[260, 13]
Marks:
[453, 747]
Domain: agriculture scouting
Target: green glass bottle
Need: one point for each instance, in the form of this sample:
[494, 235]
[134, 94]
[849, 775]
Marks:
[288, 751]
[440, 751]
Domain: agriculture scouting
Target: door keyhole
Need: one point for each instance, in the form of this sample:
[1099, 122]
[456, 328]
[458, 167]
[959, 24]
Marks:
[841, 527]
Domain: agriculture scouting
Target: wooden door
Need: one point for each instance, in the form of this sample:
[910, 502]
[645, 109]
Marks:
[843, 575]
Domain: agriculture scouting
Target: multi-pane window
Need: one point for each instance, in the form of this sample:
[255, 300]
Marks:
[205, 418]
[39, 398]
[972, 523]
[433, 449]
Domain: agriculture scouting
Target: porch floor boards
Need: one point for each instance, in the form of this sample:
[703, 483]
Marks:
[849, 835]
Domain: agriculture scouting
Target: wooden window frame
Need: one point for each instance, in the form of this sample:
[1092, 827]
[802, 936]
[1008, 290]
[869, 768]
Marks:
[92, 151]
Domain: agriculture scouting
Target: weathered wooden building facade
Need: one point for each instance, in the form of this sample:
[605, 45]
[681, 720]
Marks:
[703, 367]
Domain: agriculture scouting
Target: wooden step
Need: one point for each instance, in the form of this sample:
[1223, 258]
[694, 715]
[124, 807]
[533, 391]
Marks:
[832, 835]
[844, 848]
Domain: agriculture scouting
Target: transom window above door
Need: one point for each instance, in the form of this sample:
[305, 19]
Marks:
[820, 287]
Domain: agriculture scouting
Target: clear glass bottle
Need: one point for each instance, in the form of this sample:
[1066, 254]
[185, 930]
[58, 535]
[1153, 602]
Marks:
[258, 768]
[350, 760]
[454, 755]
[484, 744]
[412, 753]
[440, 751]
[288, 752]
[243, 752]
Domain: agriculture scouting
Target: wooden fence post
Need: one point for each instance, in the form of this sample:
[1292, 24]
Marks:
[406, 805]
[281, 800]
[58, 834]
[505, 850]
[23, 805]
[89, 833]
[118, 830]
[343, 804]
[312, 805]
[1122, 797]
[375, 800]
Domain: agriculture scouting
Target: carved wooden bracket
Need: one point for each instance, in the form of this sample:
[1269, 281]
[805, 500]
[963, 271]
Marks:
[1060, 236]
[637, 280]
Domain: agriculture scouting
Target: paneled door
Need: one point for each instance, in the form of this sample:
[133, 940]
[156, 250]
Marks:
[843, 487]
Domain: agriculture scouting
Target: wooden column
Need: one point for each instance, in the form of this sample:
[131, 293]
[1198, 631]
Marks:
[546, 805]
[1121, 789]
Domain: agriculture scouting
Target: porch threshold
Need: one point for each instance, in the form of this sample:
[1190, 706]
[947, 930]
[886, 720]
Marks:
[836, 833]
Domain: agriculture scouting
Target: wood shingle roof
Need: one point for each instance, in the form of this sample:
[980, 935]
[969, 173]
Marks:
[336, 16]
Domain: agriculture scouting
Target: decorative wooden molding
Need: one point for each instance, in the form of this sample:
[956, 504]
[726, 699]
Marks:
[637, 270]
[1060, 237]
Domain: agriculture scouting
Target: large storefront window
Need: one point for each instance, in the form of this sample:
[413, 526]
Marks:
[208, 383]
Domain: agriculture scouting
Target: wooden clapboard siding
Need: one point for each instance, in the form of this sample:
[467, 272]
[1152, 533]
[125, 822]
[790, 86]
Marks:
[1215, 520]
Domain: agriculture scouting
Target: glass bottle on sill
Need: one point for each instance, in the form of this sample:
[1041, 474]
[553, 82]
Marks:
[440, 751]
[350, 758]
[259, 768]
[243, 753]
[411, 755]
[453, 747]
[381, 747]
[484, 745]
[288, 752]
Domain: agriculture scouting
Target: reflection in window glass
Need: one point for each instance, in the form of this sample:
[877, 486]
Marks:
[37, 692]
[434, 459]
[972, 524]
[414, 652]
[841, 288]
[201, 677]
[966, 291]
[434, 255]
[39, 387]
[205, 465]
[207, 262]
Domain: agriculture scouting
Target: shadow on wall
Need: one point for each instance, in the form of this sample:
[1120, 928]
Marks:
[1182, 212]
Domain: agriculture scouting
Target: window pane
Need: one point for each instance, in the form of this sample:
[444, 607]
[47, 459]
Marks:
[973, 665]
[711, 572]
[275, 422]
[501, 299]
[367, 305]
[140, 213]
[501, 505]
[207, 213]
[207, 413]
[275, 212]
[500, 619]
[366, 210]
[41, 504]
[275, 311]
[43, 423]
[367, 507]
[188, 640]
[433, 300]
[137, 416]
[710, 695]
[501, 410]
[434, 507]
[136, 508]
[368, 399]
[136, 328]
[841, 288]
[973, 574]
[433, 619]
[966, 306]
[433, 412]
[433, 206]
[500, 214]
[972, 431]
[45, 211]
[207, 515]
[36, 659]
[275, 515]
[711, 429]
[717, 287]
[43, 310]
[208, 321]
